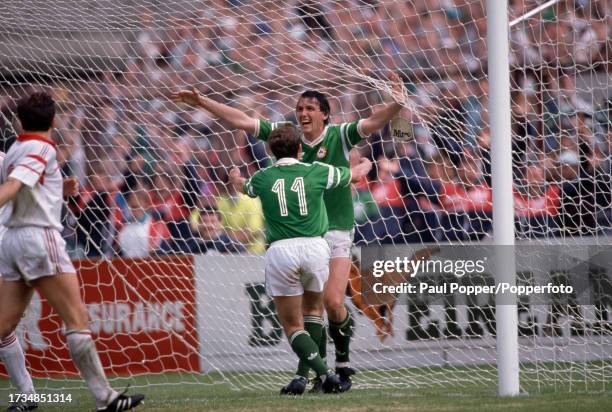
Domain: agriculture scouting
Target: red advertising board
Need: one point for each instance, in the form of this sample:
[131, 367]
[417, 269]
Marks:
[143, 319]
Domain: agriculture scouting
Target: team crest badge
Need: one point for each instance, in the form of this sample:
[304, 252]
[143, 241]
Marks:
[322, 152]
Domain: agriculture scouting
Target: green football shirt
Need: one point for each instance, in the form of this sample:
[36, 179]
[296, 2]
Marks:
[332, 148]
[291, 194]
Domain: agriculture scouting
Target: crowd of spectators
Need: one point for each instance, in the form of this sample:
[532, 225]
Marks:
[154, 175]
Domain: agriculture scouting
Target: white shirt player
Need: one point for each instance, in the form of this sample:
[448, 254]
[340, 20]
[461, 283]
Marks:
[32, 159]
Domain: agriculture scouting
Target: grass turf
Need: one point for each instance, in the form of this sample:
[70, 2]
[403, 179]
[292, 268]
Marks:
[172, 392]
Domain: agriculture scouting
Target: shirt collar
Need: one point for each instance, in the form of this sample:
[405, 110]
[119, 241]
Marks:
[33, 136]
[286, 161]
[315, 141]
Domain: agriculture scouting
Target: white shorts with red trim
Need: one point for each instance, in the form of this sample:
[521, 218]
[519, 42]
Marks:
[29, 253]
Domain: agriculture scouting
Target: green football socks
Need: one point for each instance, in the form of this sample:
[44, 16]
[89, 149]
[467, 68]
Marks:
[341, 335]
[308, 351]
[315, 327]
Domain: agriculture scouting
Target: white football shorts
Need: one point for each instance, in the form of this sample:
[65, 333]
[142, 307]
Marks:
[340, 242]
[29, 253]
[296, 265]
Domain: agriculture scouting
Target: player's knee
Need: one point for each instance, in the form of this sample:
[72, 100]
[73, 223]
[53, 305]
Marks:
[334, 304]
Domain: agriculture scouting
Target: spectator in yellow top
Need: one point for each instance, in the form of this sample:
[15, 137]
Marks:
[241, 217]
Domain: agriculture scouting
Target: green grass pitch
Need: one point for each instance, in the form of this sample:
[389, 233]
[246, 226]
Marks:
[188, 393]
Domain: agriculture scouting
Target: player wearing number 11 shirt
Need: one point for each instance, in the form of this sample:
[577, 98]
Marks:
[296, 262]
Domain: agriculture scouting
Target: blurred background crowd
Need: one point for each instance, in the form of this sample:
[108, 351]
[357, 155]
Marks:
[154, 175]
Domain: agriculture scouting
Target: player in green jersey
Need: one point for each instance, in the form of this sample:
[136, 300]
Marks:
[327, 143]
[297, 259]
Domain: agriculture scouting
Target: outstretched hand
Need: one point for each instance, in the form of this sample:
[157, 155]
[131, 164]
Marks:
[381, 117]
[190, 97]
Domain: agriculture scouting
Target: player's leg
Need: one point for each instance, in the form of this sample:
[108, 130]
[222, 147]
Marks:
[46, 263]
[335, 292]
[314, 324]
[289, 313]
[14, 299]
[292, 321]
[289, 310]
[63, 294]
[282, 279]
[315, 273]
[340, 320]
[15, 295]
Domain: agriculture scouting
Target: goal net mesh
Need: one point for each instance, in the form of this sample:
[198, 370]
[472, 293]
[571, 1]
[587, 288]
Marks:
[153, 175]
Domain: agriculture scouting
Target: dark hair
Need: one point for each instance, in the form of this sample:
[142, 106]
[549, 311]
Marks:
[321, 99]
[36, 112]
[285, 141]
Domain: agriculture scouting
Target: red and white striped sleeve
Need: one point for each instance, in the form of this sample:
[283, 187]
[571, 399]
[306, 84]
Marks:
[32, 162]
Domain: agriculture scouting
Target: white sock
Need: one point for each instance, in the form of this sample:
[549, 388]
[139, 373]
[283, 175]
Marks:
[85, 357]
[13, 358]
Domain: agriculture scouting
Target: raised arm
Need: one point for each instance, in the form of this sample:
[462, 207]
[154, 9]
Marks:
[234, 118]
[381, 117]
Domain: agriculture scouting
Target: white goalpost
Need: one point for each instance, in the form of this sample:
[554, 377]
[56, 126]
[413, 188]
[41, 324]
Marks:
[505, 146]
[503, 204]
